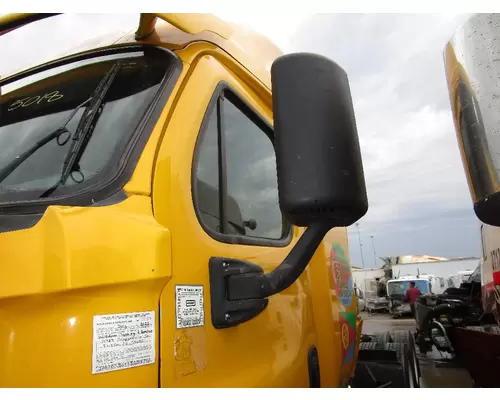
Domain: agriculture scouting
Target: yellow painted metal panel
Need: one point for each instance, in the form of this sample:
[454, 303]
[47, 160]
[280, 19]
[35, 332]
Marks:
[74, 264]
[77, 262]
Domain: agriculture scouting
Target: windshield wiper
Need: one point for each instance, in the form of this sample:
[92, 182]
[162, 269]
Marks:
[85, 130]
[57, 134]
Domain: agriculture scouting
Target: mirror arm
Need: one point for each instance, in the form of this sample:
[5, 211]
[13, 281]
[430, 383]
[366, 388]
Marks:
[239, 289]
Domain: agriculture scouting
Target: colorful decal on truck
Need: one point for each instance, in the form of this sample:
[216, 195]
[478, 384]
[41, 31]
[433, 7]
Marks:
[342, 277]
[491, 290]
[347, 321]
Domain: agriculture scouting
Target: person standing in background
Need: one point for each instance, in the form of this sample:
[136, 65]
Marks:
[411, 295]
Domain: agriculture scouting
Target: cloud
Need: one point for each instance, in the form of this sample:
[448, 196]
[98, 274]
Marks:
[279, 29]
[418, 195]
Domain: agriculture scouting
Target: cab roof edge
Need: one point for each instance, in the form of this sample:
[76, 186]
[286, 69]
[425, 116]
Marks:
[188, 23]
[11, 22]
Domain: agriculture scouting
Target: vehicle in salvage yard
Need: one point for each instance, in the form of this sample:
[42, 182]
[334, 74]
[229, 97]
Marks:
[164, 199]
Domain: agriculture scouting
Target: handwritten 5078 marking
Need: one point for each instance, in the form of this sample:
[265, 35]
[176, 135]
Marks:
[28, 101]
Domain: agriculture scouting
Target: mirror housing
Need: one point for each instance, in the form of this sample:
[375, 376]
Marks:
[320, 171]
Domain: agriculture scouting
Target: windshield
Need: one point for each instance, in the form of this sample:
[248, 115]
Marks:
[399, 288]
[33, 107]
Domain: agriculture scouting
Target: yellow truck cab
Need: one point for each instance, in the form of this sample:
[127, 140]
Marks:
[163, 216]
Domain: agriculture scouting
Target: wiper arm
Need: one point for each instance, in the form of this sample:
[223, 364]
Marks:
[57, 134]
[85, 130]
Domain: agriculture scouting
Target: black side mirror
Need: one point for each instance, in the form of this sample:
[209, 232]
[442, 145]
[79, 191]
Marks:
[320, 180]
[320, 172]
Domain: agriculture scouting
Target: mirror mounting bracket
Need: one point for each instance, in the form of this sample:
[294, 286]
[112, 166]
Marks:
[227, 313]
[239, 289]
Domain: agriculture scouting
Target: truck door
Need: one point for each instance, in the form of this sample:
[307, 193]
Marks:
[215, 188]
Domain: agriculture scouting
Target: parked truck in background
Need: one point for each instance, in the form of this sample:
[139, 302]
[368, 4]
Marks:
[490, 246]
[463, 323]
[471, 328]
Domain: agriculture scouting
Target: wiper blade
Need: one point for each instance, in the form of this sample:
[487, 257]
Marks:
[85, 130]
[57, 134]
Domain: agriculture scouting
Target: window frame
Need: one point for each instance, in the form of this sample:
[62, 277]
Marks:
[109, 182]
[224, 91]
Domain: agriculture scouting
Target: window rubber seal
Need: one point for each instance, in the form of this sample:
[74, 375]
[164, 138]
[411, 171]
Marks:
[225, 91]
[112, 181]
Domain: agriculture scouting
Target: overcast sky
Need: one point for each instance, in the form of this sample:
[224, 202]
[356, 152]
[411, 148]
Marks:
[418, 196]
[417, 191]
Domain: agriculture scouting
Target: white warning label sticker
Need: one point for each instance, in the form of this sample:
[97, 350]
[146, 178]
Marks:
[189, 306]
[123, 341]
